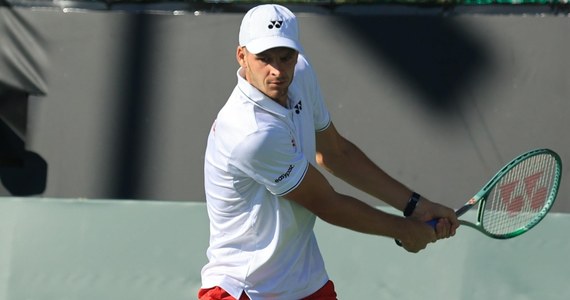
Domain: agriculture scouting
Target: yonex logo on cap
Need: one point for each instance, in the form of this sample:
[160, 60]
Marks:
[269, 26]
[275, 24]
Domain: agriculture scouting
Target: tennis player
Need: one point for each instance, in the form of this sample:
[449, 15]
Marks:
[262, 188]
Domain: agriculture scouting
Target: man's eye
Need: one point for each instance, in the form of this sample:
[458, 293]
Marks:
[289, 57]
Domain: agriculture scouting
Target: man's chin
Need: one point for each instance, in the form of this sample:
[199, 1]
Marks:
[276, 95]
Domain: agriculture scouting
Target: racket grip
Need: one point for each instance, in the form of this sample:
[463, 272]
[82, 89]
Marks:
[431, 223]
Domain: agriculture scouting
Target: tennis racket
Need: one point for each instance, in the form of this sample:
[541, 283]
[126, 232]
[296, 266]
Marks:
[517, 198]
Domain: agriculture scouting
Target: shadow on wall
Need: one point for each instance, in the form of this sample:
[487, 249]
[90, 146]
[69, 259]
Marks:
[133, 111]
[436, 56]
[22, 59]
[22, 173]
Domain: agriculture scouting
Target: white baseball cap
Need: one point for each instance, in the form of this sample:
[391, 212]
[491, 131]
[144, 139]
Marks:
[269, 26]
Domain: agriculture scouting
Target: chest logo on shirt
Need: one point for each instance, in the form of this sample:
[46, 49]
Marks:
[298, 107]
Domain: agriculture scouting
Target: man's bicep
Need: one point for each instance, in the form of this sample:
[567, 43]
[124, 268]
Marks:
[327, 139]
[331, 148]
[314, 192]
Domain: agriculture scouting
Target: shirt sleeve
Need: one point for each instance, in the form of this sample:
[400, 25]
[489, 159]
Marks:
[270, 158]
[321, 115]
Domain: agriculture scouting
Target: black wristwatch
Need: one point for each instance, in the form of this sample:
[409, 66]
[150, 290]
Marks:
[411, 206]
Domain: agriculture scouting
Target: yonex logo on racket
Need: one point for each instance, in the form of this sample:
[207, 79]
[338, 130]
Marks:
[523, 194]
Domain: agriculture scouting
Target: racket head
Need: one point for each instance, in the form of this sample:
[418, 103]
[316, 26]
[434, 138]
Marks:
[520, 195]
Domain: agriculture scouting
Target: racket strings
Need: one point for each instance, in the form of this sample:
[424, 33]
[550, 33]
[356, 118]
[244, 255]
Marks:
[520, 197]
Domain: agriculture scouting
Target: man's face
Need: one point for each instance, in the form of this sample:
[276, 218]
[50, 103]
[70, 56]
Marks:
[270, 71]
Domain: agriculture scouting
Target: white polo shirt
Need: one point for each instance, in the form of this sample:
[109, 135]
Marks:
[258, 151]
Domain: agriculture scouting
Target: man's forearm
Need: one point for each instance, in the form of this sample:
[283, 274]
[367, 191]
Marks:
[355, 168]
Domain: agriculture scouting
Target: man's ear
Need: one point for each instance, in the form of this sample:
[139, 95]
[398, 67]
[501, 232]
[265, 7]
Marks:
[240, 56]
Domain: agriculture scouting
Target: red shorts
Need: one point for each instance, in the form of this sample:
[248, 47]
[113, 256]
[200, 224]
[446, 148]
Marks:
[217, 293]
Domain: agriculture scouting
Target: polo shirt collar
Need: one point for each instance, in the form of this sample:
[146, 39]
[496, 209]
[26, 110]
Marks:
[260, 99]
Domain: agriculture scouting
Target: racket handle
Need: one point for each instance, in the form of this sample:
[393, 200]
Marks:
[431, 223]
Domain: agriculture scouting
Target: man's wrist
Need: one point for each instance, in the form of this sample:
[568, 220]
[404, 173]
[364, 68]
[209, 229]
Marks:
[412, 203]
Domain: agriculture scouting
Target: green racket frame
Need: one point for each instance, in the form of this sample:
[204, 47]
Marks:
[481, 197]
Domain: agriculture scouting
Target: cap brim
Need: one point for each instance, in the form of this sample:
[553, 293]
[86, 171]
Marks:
[266, 43]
